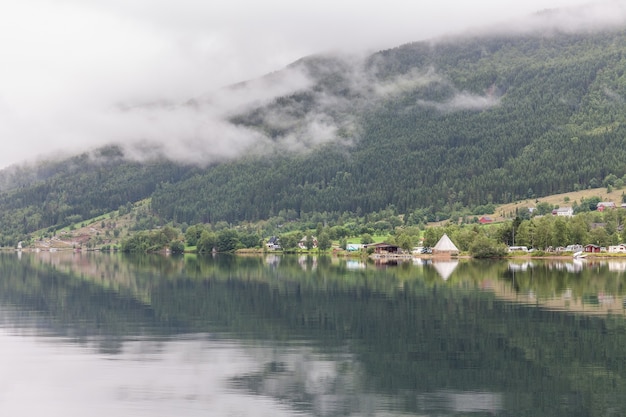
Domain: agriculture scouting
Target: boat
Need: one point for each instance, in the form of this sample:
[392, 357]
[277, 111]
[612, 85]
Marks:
[580, 254]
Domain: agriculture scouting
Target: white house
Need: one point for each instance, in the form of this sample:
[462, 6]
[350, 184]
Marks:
[303, 242]
[564, 211]
[273, 243]
[621, 248]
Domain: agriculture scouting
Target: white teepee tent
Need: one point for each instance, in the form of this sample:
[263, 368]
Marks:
[445, 246]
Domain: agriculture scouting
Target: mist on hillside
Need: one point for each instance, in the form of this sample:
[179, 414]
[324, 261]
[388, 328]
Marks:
[218, 125]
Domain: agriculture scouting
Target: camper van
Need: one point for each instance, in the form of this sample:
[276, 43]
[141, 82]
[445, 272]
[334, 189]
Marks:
[518, 249]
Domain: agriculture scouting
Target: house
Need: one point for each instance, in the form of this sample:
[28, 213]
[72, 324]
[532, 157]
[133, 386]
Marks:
[621, 248]
[563, 211]
[602, 205]
[485, 220]
[273, 243]
[384, 248]
[591, 248]
[303, 242]
[445, 247]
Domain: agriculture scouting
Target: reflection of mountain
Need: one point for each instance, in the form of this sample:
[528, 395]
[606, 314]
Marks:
[50, 302]
[399, 334]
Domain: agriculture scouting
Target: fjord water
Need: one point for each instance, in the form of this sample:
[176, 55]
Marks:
[102, 335]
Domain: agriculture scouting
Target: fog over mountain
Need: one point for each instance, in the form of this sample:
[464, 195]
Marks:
[153, 76]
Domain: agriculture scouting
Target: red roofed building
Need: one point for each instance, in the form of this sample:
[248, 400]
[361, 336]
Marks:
[605, 205]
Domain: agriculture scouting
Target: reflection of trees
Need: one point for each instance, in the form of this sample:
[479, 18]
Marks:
[569, 281]
[419, 336]
[409, 331]
[57, 303]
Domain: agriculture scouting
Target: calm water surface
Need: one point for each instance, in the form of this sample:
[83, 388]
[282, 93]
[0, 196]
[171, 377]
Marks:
[103, 335]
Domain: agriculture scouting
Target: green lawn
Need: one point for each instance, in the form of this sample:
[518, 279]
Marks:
[377, 239]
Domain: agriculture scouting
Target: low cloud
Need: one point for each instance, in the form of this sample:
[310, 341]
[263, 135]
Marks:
[199, 131]
[78, 75]
[407, 82]
[463, 101]
[590, 17]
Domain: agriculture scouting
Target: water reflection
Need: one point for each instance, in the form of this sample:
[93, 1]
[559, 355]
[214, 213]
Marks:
[152, 335]
[463, 402]
[445, 268]
[577, 285]
[355, 265]
[310, 383]
[145, 378]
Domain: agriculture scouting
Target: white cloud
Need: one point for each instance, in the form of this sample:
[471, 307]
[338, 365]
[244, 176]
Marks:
[67, 65]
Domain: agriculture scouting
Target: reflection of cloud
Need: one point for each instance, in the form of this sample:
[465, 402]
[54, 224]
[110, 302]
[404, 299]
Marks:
[305, 380]
[463, 401]
[128, 383]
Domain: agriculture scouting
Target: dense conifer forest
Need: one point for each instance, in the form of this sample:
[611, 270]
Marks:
[430, 129]
[477, 121]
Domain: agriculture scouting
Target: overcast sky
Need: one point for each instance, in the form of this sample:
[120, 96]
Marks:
[67, 65]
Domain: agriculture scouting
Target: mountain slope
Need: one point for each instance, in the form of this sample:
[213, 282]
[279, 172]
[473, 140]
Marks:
[427, 127]
[456, 123]
[57, 194]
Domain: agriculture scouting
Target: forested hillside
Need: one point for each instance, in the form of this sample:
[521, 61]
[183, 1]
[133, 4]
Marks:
[57, 194]
[432, 128]
[462, 122]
